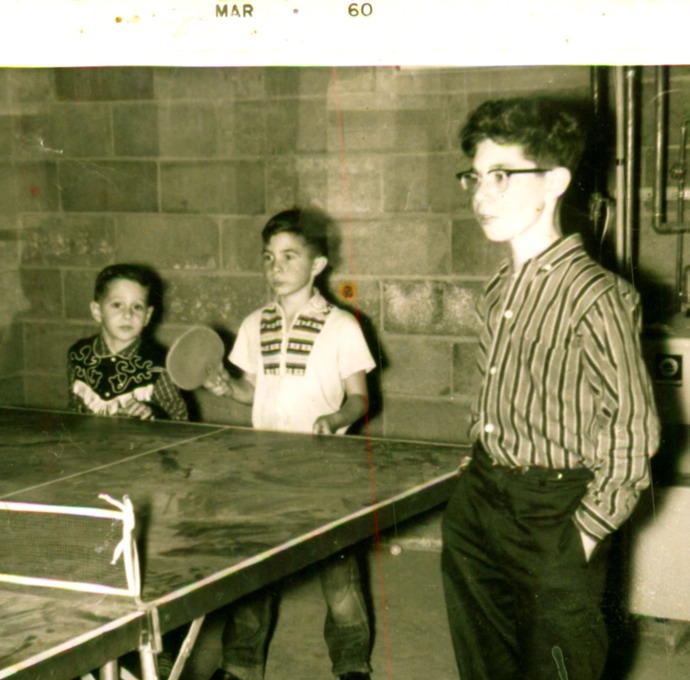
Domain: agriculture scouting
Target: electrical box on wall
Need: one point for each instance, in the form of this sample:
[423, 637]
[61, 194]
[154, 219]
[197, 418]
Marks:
[668, 359]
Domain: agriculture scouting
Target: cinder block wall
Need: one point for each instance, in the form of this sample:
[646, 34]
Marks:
[180, 168]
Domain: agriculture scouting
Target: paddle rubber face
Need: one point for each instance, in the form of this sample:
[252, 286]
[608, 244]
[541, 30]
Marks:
[194, 356]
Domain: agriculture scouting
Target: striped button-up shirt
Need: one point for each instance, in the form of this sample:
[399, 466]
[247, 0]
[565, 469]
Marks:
[564, 383]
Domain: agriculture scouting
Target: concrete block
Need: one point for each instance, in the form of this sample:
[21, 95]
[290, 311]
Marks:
[240, 244]
[406, 245]
[14, 305]
[466, 378]
[7, 125]
[355, 185]
[410, 80]
[241, 129]
[422, 183]
[417, 366]
[188, 130]
[43, 289]
[472, 254]
[71, 240]
[11, 344]
[10, 238]
[397, 130]
[104, 84]
[280, 126]
[12, 391]
[360, 297]
[135, 129]
[8, 193]
[191, 242]
[430, 307]
[46, 391]
[287, 81]
[81, 131]
[32, 85]
[46, 345]
[495, 82]
[352, 79]
[109, 186]
[35, 137]
[214, 187]
[78, 285]
[212, 84]
[221, 301]
[36, 186]
[301, 180]
[296, 125]
[436, 420]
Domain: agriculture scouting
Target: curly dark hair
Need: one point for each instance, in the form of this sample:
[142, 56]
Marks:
[550, 130]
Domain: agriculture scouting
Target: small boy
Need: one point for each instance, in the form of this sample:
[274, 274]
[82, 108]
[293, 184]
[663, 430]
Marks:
[565, 421]
[118, 372]
[304, 363]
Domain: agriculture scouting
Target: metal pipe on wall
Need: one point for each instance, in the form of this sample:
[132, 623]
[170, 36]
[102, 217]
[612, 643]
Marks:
[621, 236]
[632, 185]
[659, 223]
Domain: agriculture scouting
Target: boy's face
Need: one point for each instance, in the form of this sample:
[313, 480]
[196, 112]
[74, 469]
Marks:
[521, 210]
[290, 265]
[123, 312]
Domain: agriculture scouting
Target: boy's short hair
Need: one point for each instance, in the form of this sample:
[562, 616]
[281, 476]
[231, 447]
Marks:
[308, 224]
[131, 272]
[548, 129]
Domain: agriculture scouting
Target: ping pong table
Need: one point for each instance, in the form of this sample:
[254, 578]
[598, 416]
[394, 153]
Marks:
[221, 511]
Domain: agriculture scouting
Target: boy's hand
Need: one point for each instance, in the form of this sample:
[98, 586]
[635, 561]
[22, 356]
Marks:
[323, 425]
[137, 409]
[218, 382]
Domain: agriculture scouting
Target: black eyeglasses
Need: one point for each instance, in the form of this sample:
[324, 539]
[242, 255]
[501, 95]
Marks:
[499, 178]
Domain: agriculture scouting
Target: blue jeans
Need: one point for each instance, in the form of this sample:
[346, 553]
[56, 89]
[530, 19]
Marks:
[346, 629]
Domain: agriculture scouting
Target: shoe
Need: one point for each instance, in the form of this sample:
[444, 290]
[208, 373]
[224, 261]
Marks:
[356, 675]
[221, 674]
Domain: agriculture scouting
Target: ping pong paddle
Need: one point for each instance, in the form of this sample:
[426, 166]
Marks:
[194, 356]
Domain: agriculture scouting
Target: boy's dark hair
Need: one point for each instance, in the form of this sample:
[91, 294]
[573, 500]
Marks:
[131, 272]
[310, 225]
[547, 128]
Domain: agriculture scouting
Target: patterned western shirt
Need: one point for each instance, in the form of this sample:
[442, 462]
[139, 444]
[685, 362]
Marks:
[564, 383]
[102, 382]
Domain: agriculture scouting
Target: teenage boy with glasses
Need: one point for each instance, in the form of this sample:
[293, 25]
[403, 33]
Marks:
[565, 422]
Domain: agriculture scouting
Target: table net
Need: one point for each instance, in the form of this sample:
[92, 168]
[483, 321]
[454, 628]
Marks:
[78, 548]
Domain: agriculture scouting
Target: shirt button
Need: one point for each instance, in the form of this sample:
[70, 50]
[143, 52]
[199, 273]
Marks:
[488, 427]
[508, 314]
[547, 267]
[492, 370]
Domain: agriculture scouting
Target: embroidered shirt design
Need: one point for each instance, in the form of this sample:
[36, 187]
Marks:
[300, 341]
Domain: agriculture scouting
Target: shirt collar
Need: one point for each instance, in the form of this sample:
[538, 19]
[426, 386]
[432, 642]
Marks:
[548, 259]
[101, 349]
[317, 304]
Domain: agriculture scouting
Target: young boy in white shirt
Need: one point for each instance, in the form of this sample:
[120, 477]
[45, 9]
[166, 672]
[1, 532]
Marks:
[304, 363]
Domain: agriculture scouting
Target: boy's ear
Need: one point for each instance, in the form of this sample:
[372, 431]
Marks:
[96, 311]
[320, 263]
[149, 314]
[559, 181]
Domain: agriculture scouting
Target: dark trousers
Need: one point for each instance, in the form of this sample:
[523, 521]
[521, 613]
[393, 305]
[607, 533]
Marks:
[522, 601]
